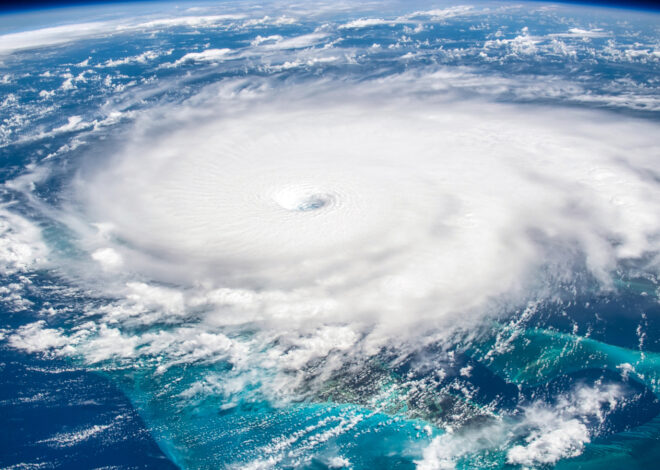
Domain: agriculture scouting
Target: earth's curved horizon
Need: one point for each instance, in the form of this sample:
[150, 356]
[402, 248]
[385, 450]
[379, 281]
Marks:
[322, 235]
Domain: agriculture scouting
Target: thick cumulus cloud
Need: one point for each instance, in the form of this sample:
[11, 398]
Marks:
[358, 206]
[545, 434]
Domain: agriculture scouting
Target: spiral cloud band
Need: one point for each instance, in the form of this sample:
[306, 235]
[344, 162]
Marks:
[400, 212]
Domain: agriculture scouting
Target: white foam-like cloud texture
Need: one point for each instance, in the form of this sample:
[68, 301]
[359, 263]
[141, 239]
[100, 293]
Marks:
[546, 434]
[349, 209]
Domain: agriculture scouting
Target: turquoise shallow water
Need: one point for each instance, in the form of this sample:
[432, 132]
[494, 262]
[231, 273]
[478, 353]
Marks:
[401, 410]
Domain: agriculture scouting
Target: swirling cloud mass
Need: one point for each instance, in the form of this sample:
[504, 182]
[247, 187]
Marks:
[364, 206]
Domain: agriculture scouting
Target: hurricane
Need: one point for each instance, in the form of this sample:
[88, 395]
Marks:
[330, 235]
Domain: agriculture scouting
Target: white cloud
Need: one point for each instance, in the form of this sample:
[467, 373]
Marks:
[442, 13]
[208, 55]
[524, 43]
[142, 58]
[46, 94]
[417, 17]
[567, 439]
[96, 343]
[562, 431]
[260, 39]
[21, 244]
[318, 345]
[52, 36]
[536, 435]
[365, 23]
[108, 258]
[168, 300]
[296, 42]
[35, 338]
[74, 123]
[190, 21]
[582, 33]
[268, 20]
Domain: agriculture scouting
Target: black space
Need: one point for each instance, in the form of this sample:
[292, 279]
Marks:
[26, 5]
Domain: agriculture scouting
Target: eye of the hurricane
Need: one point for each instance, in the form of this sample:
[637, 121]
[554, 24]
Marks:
[297, 200]
[312, 203]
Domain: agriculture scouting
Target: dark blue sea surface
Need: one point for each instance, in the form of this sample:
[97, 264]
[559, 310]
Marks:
[56, 416]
